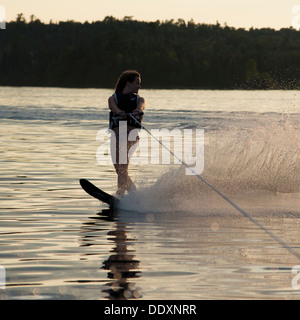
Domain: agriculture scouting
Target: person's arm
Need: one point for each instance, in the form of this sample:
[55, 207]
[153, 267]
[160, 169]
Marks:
[113, 106]
[141, 105]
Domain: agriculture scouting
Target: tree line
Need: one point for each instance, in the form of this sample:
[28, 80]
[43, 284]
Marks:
[169, 54]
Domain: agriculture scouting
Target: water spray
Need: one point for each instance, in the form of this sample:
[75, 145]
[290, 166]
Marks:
[243, 212]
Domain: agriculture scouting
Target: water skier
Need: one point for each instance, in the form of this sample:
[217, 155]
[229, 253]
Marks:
[123, 102]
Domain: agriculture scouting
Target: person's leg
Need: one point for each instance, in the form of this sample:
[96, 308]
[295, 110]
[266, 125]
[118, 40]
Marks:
[123, 151]
[122, 172]
[131, 147]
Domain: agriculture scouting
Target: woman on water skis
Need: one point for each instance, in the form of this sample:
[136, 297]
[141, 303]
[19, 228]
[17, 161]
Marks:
[122, 103]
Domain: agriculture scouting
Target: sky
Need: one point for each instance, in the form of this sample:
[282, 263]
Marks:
[235, 13]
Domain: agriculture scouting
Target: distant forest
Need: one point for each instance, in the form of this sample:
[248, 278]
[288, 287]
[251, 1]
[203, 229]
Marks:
[169, 54]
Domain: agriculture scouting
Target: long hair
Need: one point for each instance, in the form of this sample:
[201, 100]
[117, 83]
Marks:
[128, 75]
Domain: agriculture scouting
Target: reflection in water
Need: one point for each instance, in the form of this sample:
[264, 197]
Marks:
[121, 264]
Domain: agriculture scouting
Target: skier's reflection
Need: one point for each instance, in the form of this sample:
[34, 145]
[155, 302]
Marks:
[121, 263]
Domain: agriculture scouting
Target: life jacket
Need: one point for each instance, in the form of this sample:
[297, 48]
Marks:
[127, 103]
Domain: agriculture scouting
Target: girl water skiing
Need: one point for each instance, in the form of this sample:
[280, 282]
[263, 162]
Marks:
[123, 102]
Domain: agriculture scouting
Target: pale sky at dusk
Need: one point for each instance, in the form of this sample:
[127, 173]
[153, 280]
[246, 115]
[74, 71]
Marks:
[236, 13]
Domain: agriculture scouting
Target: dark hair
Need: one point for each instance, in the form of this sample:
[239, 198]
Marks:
[128, 75]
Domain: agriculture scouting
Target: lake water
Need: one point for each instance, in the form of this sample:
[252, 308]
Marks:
[174, 238]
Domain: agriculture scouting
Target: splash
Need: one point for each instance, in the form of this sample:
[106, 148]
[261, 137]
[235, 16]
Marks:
[239, 162]
[262, 159]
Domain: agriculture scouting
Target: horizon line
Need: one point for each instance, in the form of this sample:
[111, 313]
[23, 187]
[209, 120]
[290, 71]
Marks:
[33, 18]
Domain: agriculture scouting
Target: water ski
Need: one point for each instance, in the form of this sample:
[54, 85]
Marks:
[95, 192]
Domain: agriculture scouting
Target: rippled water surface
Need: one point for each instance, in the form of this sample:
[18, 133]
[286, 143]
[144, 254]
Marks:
[172, 239]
